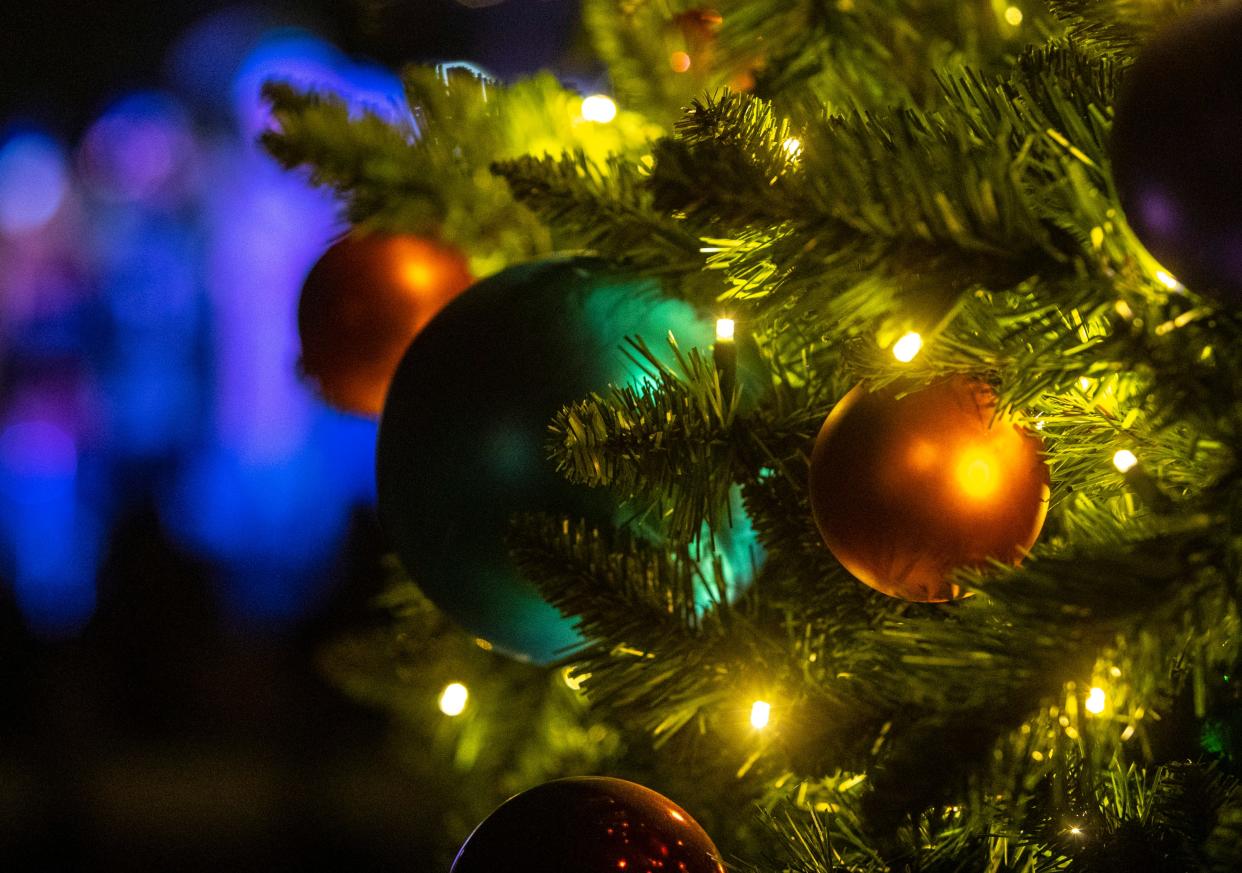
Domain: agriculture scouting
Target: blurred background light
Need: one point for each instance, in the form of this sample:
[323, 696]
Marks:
[50, 539]
[141, 148]
[168, 299]
[34, 179]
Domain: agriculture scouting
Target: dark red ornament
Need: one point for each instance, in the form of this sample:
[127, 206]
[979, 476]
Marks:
[906, 489]
[1176, 139]
[362, 303]
[589, 824]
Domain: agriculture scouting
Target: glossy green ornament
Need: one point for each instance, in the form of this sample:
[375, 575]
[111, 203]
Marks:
[463, 433]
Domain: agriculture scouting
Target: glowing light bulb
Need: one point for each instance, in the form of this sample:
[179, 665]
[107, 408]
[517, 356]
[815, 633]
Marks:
[1167, 280]
[599, 108]
[792, 146]
[1095, 701]
[1013, 15]
[1076, 831]
[679, 61]
[1124, 460]
[453, 699]
[907, 348]
[724, 328]
[760, 713]
[573, 681]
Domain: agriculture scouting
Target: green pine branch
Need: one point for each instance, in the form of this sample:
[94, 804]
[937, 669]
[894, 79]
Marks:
[604, 208]
[673, 445]
[1119, 27]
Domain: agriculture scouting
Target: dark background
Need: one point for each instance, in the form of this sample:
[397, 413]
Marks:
[169, 730]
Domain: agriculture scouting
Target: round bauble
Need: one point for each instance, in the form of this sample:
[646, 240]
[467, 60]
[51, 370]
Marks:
[462, 440]
[908, 488]
[588, 824]
[1176, 139]
[362, 303]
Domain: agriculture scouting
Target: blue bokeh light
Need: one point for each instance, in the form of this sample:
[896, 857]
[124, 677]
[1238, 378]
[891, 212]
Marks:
[50, 538]
[34, 179]
[181, 266]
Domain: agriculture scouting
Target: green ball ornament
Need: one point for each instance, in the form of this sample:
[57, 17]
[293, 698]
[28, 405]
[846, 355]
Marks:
[462, 439]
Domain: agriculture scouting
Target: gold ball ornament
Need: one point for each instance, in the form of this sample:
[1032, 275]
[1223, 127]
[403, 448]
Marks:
[907, 488]
[362, 304]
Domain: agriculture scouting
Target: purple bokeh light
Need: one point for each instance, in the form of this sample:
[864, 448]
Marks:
[141, 148]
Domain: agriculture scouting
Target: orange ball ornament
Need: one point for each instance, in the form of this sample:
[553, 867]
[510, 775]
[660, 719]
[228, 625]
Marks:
[907, 489]
[362, 303]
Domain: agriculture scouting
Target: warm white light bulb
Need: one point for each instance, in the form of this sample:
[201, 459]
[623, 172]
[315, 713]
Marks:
[792, 146]
[453, 699]
[573, 681]
[760, 712]
[724, 328]
[600, 108]
[908, 347]
[1167, 280]
[1125, 460]
[1095, 701]
[1013, 15]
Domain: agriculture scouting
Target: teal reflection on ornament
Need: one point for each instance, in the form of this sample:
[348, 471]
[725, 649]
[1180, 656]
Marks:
[735, 550]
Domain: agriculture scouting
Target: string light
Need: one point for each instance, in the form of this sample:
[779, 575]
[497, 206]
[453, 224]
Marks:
[792, 146]
[1095, 701]
[1076, 831]
[679, 61]
[724, 329]
[1167, 280]
[1013, 15]
[573, 681]
[1125, 460]
[453, 699]
[599, 108]
[907, 348]
[760, 713]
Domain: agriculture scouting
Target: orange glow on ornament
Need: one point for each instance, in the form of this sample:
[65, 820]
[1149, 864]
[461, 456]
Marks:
[362, 303]
[978, 477]
[907, 489]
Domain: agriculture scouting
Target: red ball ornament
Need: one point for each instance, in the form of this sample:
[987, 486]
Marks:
[906, 489]
[362, 303]
[589, 824]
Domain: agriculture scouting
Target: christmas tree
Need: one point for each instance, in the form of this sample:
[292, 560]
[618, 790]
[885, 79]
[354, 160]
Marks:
[925, 557]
